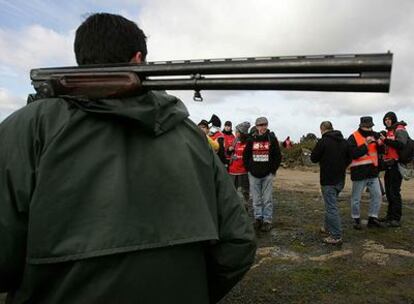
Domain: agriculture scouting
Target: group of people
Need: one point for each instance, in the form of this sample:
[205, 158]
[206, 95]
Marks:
[252, 157]
[366, 153]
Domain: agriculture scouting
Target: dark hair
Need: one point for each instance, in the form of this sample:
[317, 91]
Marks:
[107, 38]
[203, 123]
[326, 126]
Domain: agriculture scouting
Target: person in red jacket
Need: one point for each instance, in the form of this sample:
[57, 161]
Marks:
[236, 166]
[228, 139]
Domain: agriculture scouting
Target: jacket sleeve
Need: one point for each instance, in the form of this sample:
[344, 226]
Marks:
[317, 152]
[247, 154]
[221, 151]
[354, 150]
[16, 186]
[233, 254]
[277, 155]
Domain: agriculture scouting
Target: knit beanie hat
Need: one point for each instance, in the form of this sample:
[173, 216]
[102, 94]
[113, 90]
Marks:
[243, 127]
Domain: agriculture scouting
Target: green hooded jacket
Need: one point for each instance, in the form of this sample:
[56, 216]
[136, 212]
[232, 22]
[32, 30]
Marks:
[116, 201]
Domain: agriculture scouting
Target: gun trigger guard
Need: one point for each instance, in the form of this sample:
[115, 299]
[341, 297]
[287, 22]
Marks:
[197, 95]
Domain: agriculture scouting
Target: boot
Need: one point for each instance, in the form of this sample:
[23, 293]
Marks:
[373, 222]
[258, 224]
[357, 224]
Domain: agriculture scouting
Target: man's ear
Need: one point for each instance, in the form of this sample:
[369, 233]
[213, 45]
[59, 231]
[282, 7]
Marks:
[137, 58]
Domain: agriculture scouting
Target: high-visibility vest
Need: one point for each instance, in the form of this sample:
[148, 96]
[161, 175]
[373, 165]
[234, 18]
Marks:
[371, 157]
[390, 152]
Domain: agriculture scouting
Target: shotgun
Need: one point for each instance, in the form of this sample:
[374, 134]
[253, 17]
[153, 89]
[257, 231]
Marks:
[339, 73]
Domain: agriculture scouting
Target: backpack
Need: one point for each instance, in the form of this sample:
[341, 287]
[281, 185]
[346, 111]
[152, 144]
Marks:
[406, 154]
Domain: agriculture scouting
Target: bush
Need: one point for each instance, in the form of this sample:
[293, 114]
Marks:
[298, 155]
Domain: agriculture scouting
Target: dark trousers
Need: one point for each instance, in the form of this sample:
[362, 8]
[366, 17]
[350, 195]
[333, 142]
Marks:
[393, 180]
[242, 181]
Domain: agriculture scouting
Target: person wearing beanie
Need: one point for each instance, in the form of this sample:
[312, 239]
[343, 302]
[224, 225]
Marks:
[262, 158]
[228, 139]
[236, 167]
[395, 138]
[365, 146]
[216, 134]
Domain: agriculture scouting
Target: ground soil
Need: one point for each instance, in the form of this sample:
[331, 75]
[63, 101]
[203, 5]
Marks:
[373, 265]
[294, 266]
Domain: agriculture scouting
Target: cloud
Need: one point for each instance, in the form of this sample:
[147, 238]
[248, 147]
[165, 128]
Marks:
[24, 49]
[34, 46]
[189, 29]
[211, 29]
[9, 103]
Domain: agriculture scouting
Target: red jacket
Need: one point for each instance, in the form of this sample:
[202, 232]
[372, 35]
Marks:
[228, 141]
[236, 166]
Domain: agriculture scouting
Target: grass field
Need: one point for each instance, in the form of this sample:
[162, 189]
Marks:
[294, 266]
[373, 265]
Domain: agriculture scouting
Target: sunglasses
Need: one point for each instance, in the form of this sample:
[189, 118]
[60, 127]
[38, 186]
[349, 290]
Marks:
[261, 125]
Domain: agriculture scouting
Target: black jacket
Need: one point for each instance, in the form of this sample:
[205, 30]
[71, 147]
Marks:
[256, 166]
[364, 171]
[332, 154]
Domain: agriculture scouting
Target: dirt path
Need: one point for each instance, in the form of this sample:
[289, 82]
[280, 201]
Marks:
[307, 180]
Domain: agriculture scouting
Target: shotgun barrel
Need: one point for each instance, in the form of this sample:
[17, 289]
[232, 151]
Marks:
[340, 73]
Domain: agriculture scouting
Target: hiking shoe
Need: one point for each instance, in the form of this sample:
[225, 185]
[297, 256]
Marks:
[384, 219]
[373, 222]
[332, 241]
[393, 223]
[357, 224]
[258, 224]
[266, 227]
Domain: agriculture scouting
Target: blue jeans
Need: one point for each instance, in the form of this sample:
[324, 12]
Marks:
[332, 218]
[375, 194]
[261, 190]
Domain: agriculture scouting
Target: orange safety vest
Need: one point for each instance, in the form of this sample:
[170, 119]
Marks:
[371, 157]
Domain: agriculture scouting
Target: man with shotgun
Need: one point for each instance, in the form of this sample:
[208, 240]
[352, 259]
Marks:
[95, 208]
[110, 194]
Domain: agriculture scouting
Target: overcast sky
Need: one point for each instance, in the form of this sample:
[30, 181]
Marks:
[40, 34]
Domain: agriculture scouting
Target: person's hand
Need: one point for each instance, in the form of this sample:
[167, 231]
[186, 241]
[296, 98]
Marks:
[231, 148]
[382, 137]
[369, 139]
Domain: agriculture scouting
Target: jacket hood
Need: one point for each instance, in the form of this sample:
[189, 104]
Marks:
[398, 123]
[390, 115]
[156, 111]
[334, 134]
